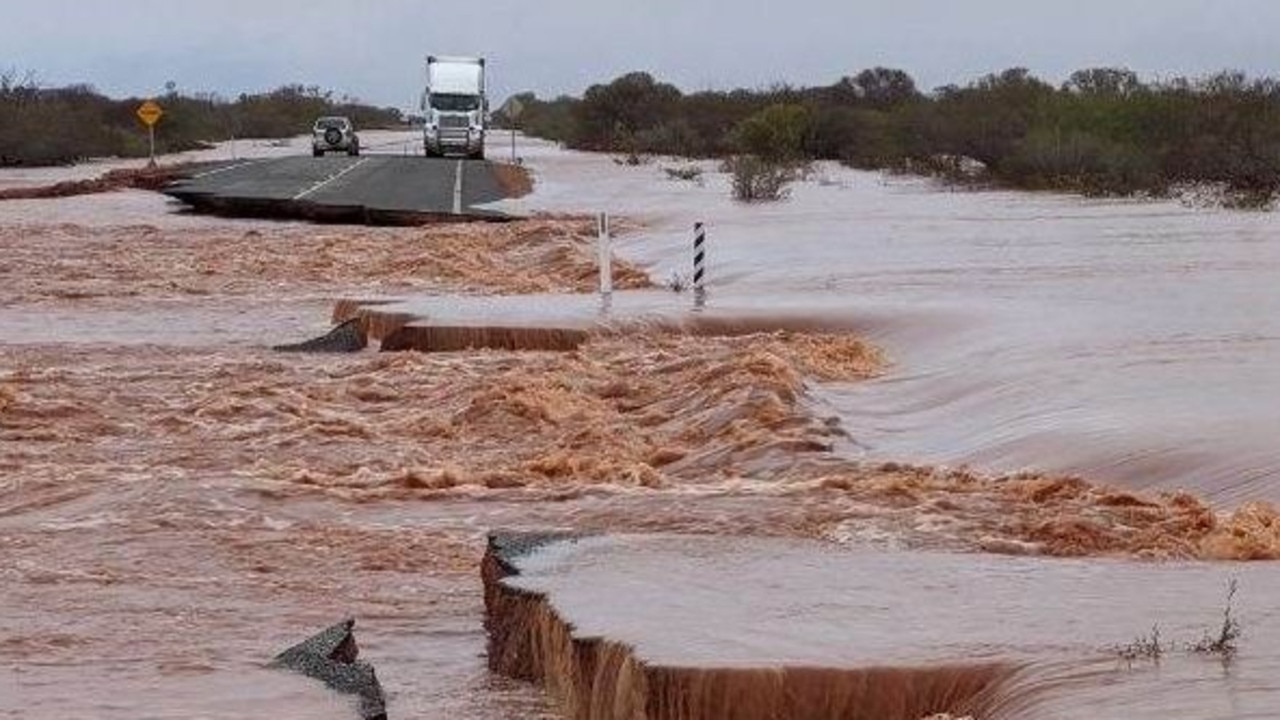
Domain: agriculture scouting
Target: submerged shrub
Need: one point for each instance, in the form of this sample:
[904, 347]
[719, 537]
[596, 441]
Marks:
[756, 179]
[1144, 647]
[687, 173]
[1225, 642]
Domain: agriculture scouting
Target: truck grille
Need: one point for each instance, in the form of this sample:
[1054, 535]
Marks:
[453, 138]
[455, 121]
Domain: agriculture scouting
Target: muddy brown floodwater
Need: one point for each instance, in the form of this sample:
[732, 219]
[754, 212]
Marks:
[178, 503]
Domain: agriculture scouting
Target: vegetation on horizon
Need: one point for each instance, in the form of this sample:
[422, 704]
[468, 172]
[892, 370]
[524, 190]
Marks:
[1102, 132]
[55, 126]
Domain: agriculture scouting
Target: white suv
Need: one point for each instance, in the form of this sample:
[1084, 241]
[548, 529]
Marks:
[334, 134]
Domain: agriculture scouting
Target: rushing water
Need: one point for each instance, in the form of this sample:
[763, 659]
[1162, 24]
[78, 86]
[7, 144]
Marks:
[177, 503]
[1134, 342]
[702, 602]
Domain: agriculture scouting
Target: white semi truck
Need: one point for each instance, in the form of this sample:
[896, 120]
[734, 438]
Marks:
[455, 107]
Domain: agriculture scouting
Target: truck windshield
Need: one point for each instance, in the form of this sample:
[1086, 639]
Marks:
[455, 103]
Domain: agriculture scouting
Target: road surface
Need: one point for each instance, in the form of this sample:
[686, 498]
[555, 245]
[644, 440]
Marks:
[379, 189]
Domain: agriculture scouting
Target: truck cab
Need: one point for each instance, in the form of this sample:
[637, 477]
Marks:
[455, 107]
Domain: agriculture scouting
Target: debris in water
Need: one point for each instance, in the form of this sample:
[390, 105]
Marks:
[332, 658]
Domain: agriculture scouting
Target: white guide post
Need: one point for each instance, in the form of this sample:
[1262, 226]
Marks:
[604, 244]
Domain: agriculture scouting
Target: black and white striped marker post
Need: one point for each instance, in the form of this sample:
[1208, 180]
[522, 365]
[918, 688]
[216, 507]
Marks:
[700, 263]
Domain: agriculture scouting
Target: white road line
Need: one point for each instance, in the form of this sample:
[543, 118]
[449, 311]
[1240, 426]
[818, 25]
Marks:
[457, 190]
[229, 168]
[331, 179]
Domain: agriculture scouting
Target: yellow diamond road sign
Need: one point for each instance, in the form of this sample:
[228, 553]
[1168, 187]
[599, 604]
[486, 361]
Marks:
[150, 113]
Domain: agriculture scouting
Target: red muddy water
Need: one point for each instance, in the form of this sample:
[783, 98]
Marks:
[178, 503]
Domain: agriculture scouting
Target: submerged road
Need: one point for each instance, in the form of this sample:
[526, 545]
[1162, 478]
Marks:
[374, 189]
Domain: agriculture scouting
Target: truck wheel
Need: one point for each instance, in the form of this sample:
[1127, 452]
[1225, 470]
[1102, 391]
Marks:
[478, 155]
[317, 153]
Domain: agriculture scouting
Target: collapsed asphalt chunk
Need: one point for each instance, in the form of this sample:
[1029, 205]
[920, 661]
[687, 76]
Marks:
[349, 337]
[332, 657]
[505, 547]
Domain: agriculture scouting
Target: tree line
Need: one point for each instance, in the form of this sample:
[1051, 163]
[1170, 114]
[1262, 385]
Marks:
[53, 126]
[1102, 132]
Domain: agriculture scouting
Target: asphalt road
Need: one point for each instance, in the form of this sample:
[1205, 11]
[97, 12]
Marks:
[372, 187]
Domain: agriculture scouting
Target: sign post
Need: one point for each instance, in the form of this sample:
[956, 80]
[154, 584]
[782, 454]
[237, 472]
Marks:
[513, 109]
[150, 113]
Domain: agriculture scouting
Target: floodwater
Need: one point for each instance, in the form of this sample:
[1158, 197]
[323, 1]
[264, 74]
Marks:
[749, 604]
[1131, 342]
[178, 503]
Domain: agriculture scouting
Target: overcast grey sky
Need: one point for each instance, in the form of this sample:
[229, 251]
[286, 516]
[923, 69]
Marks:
[374, 49]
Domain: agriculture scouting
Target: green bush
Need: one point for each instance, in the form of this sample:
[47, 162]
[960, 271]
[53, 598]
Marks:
[612, 117]
[1104, 131]
[52, 126]
[1083, 162]
[757, 179]
[779, 133]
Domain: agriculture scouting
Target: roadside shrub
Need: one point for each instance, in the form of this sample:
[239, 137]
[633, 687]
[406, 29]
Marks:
[687, 173]
[1081, 162]
[777, 134]
[1102, 132]
[1259, 199]
[757, 179]
[52, 126]
[632, 159]
[673, 137]
[613, 116]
